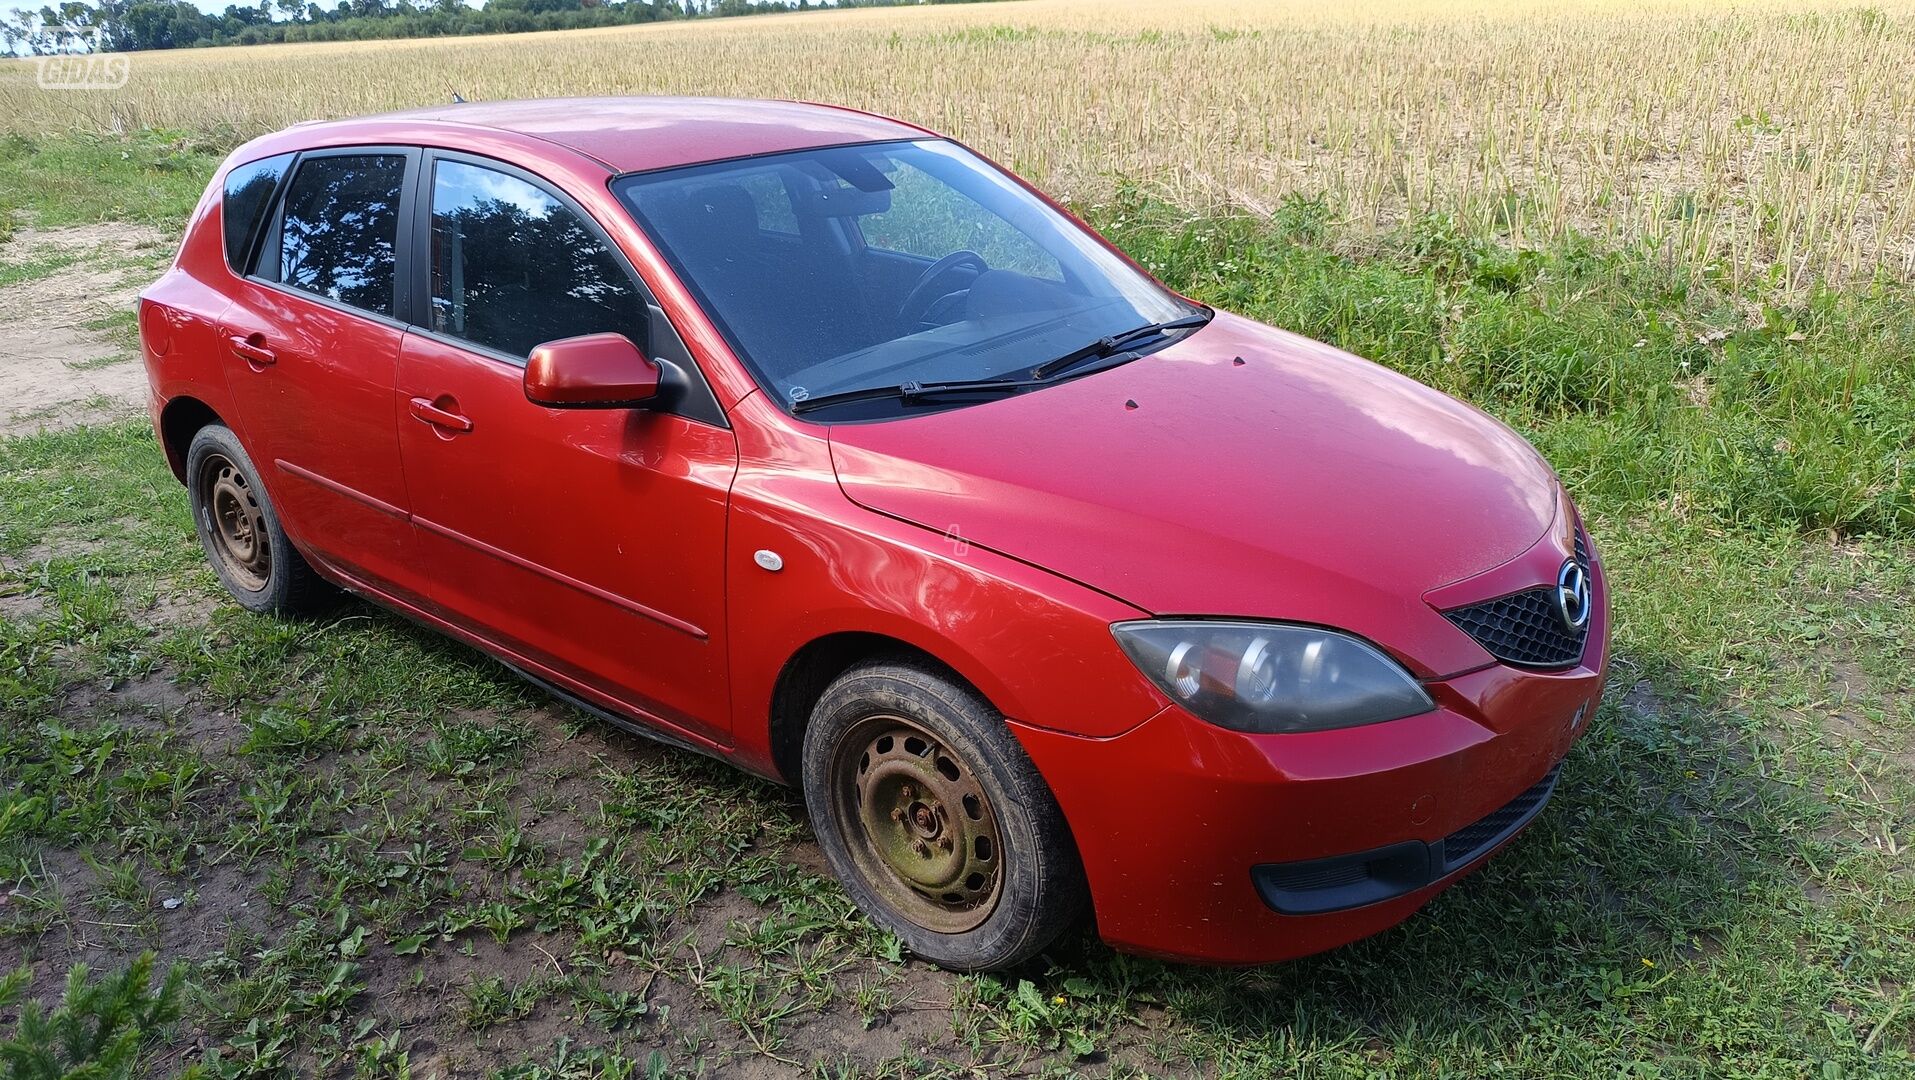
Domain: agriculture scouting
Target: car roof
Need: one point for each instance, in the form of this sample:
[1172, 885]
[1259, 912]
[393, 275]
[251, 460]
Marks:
[636, 134]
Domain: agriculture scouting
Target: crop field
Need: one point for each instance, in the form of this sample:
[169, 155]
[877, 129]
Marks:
[1740, 138]
[1672, 243]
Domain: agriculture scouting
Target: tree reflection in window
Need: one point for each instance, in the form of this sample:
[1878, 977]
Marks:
[512, 267]
[338, 236]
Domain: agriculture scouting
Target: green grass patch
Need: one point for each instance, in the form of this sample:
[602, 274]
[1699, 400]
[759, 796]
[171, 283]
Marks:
[153, 178]
[39, 266]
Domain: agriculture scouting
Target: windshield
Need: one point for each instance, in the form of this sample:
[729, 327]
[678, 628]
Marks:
[887, 264]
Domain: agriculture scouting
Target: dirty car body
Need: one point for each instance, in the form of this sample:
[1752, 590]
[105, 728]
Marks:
[691, 410]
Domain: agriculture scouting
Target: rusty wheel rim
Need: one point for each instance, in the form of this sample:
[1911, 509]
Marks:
[235, 523]
[919, 824]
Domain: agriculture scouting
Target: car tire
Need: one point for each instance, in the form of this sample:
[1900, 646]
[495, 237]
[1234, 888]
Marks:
[935, 820]
[240, 531]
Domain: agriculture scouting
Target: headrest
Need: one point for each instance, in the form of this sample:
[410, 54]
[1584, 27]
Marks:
[719, 219]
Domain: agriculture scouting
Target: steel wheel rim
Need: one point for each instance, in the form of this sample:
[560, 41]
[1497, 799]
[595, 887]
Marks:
[234, 523]
[919, 825]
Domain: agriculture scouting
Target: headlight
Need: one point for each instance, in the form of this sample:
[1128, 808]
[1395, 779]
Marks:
[1269, 677]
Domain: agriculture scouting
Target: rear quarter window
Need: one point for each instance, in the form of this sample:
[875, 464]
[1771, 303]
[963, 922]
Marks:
[244, 204]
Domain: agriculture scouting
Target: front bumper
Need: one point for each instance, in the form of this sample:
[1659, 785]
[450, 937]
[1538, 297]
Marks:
[1340, 882]
[1171, 817]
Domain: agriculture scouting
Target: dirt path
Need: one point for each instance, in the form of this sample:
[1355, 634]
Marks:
[67, 351]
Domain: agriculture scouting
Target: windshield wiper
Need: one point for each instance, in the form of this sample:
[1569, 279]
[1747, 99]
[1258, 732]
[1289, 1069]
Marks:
[1115, 344]
[1110, 348]
[913, 391]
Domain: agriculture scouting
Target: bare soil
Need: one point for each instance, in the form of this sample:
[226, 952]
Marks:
[55, 372]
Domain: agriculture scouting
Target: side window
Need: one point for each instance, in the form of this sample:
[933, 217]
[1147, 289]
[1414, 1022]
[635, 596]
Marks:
[930, 219]
[339, 231]
[248, 195]
[512, 267]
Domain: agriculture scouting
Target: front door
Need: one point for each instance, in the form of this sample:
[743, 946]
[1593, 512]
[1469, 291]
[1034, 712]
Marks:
[312, 353]
[589, 541]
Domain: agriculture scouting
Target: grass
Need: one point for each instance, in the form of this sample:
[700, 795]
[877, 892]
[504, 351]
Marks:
[152, 178]
[378, 855]
[1763, 138]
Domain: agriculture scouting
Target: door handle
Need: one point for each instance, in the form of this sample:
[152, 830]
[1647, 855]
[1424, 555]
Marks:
[253, 350]
[424, 409]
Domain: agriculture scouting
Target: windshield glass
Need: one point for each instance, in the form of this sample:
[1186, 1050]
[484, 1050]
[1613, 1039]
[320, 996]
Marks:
[884, 264]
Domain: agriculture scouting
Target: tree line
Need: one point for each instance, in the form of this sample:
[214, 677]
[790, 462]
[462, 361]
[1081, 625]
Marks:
[123, 25]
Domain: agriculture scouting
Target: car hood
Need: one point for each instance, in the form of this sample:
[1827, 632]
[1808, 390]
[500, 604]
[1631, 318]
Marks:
[1242, 471]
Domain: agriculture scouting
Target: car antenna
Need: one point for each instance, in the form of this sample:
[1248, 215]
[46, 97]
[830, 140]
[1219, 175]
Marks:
[456, 99]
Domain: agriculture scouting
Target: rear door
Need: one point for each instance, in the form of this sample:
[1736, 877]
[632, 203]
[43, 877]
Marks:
[311, 350]
[590, 541]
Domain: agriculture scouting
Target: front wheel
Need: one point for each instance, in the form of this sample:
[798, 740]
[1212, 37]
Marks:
[241, 533]
[935, 820]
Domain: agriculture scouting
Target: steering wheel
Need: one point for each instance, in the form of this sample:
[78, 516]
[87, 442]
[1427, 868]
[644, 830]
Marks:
[917, 303]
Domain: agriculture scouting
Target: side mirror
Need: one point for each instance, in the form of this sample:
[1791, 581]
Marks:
[595, 371]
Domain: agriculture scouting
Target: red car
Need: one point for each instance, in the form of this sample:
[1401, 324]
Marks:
[817, 442]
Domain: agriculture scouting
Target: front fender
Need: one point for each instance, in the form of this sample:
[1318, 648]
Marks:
[1037, 645]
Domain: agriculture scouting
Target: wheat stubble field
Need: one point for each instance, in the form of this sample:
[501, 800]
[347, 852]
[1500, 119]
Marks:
[1671, 242]
[1742, 136]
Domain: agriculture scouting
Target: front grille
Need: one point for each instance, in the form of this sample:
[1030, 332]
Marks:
[1523, 629]
[1471, 840]
[1314, 876]
[1526, 628]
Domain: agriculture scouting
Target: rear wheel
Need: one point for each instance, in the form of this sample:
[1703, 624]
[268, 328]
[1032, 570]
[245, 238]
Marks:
[240, 531]
[935, 820]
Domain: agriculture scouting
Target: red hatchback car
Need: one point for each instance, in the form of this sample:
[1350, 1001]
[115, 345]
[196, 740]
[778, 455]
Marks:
[815, 441]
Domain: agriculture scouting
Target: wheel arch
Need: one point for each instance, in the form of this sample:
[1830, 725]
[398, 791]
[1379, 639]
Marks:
[814, 667]
[180, 420]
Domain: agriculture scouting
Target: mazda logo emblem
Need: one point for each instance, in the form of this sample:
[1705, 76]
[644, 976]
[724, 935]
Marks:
[1572, 595]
